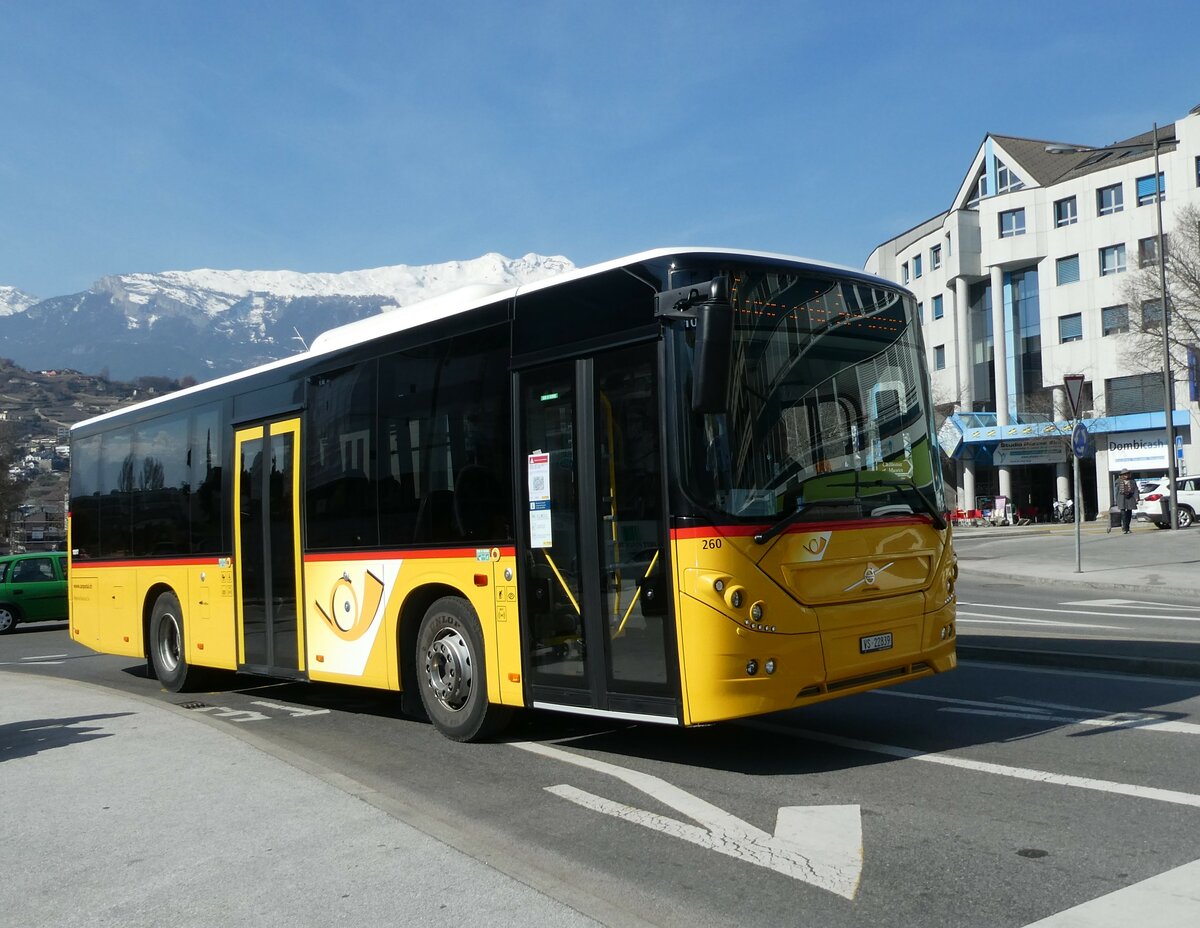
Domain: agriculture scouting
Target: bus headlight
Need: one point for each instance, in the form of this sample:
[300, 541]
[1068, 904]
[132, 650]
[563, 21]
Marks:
[756, 612]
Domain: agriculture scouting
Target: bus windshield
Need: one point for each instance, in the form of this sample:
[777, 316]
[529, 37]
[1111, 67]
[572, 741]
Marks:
[829, 416]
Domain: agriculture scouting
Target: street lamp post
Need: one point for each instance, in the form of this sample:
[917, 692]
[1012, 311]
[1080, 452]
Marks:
[1168, 384]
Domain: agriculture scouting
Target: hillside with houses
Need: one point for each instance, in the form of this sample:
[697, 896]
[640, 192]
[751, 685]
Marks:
[37, 410]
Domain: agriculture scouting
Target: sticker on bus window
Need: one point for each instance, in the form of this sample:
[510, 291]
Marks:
[539, 477]
[541, 532]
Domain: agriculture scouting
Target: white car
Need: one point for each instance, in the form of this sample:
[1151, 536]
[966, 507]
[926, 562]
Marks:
[1150, 508]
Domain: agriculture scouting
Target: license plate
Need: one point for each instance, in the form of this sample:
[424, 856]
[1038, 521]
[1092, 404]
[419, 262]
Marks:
[874, 643]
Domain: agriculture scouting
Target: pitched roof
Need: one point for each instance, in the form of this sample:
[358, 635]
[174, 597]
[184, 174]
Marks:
[1053, 162]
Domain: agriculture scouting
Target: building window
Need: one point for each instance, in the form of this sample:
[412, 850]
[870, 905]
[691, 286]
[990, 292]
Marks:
[1070, 328]
[1067, 269]
[1115, 319]
[1109, 200]
[939, 357]
[1012, 222]
[1065, 212]
[935, 257]
[981, 188]
[950, 245]
[1198, 170]
[916, 266]
[937, 307]
[1148, 251]
[1112, 260]
[1151, 315]
[1124, 396]
[1146, 192]
[904, 272]
[920, 311]
[1006, 178]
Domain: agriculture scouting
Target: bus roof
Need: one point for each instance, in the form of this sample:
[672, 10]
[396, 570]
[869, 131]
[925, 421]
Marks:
[465, 299]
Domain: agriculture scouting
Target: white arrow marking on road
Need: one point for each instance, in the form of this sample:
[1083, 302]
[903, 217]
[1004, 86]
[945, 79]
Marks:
[820, 845]
[233, 715]
[1169, 900]
[294, 711]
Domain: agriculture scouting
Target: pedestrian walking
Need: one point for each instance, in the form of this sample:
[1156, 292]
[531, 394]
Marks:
[1127, 499]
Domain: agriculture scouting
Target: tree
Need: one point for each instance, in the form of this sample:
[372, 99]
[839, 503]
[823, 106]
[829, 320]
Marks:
[1142, 293]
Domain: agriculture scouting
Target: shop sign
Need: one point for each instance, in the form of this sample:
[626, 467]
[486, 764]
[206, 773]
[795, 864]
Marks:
[1137, 451]
[1030, 451]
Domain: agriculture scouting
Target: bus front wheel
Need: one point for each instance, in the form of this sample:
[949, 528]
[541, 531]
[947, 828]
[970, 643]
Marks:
[166, 644]
[451, 675]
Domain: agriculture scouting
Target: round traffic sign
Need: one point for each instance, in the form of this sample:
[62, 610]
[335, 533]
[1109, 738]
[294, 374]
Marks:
[1080, 440]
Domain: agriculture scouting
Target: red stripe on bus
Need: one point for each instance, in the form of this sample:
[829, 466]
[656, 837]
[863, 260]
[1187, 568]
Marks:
[405, 554]
[213, 561]
[747, 531]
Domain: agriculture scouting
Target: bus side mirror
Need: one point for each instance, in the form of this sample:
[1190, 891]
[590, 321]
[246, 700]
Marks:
[714, 351]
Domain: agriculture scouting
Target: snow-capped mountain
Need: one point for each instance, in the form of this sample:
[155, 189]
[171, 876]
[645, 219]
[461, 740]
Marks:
[13, 300]
[205, 323]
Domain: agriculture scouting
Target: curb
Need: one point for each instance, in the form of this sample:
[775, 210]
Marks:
[1082, 581]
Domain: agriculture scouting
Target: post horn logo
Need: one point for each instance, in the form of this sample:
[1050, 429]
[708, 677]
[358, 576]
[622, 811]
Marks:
[347, 618]
[816, 546]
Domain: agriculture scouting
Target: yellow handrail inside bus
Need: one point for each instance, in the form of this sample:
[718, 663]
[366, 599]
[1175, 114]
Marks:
[566, 589]
[636, 593]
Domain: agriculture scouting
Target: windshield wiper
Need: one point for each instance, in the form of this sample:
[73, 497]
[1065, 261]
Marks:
[764, 536]
[939, 521]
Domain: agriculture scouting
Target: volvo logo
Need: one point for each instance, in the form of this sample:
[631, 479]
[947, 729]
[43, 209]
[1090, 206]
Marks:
[870, 575]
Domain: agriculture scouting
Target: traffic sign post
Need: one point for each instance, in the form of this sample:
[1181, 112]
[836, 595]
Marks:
[1079, 445]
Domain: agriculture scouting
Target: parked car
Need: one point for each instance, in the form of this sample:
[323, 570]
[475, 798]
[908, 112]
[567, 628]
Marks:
[1150, 509]
[33, 588]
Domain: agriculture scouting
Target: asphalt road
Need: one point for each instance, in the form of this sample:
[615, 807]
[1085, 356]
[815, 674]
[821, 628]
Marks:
[996, 795]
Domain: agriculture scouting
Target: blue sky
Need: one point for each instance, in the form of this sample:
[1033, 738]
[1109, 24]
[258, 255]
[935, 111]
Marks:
[323, 136]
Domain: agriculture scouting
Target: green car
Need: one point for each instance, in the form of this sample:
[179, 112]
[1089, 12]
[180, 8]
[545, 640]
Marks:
[33, 588]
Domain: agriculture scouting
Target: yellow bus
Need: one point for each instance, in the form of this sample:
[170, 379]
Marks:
[681, 487]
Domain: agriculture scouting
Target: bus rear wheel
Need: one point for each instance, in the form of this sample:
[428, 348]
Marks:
[166, 644]
[451, 674]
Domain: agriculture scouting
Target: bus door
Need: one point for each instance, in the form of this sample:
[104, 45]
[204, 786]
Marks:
[267, 548]
[597, 630]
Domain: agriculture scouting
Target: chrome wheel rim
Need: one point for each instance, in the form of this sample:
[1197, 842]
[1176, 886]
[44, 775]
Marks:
[448, 669]
[168, 645]
[6, 620]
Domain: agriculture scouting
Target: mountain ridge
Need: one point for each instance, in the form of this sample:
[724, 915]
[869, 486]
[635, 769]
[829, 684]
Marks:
[206, 322]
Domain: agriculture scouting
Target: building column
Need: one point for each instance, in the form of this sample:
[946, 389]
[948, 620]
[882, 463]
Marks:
[968, 483]
[1000, 381]
[962, 346]
[1062, 489]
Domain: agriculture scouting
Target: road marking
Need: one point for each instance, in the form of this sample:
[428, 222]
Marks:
[46, 661]
[1130, 602]
[988, 619]
[1169, 900]
[1018, 773]
[293, 711]
[1038, 712]
[233, 715]
[1107, 615]
[820, 845]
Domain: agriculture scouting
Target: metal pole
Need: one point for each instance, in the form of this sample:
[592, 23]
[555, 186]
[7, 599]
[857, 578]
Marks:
[1168, 382]
[1078, 513]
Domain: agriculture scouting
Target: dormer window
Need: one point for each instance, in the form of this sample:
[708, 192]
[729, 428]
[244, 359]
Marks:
[1006, 178]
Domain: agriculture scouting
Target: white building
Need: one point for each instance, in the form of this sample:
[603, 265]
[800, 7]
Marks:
[1055, 228]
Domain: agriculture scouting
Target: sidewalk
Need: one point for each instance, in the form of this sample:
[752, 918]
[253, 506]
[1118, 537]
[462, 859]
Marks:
[1146, 561]
[120, 811]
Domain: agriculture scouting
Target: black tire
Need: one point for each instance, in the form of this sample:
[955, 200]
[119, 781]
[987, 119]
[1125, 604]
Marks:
[451, 673]
[9, 617]
[166, 645]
